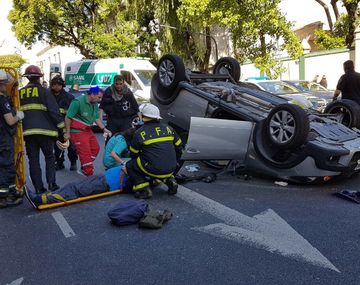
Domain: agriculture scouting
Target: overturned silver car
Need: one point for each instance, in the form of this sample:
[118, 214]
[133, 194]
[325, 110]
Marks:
[227, 120]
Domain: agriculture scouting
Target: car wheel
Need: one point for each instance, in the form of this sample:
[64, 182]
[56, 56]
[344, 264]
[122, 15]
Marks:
[228, 65]
[273, 156]
[171, 71]
[287, 126]
[347, 112]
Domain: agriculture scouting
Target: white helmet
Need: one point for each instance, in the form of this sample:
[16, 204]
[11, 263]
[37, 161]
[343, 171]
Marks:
[4, 78]
[150, 111]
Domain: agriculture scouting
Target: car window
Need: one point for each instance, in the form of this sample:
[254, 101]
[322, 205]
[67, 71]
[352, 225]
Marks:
[131, 80]
[145, 76]
[278, 87]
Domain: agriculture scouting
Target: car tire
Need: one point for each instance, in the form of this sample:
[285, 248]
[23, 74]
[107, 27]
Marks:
[171, 71]
[272, 156]
[347, 112]
[228, 65]
[287, 126]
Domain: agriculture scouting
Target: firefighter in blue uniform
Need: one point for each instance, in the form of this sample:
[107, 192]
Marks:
[63, 99]
[8, 121]
[155, 150]
[41, 124]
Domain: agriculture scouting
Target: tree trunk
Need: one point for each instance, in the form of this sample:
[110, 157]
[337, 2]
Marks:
[351, 9]
[327, 12]
[205, 62]
[335, 9]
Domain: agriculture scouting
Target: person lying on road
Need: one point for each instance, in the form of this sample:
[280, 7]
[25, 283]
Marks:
[113, 179]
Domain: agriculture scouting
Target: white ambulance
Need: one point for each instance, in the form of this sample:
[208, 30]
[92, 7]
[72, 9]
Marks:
[137, 72]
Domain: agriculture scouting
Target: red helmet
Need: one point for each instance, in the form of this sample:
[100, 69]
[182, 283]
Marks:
[33, 71]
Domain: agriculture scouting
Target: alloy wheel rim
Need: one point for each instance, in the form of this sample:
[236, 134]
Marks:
[282, 127]
[166, 72]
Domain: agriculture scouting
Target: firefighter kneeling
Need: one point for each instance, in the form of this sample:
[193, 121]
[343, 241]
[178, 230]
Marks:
[155, 149]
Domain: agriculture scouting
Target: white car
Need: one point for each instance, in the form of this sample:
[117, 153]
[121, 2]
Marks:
[289, 92]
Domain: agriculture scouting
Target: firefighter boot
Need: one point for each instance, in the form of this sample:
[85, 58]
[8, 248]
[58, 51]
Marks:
[145, 193]
[13, 201]
[3, 203]
[172, 186]
[15, 192]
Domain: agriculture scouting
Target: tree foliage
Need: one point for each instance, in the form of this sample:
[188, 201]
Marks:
[109, 28]
[98, 28]
[342, 27]
[12, 60]
[259, 31]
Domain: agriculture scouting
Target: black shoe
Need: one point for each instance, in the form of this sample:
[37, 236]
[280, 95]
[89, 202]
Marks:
[35, 200]
[15, 192]
[143, 194]
[4, 192]
[53, 187]
[59, 166]
[73, 167]
[172, 186]
[3, 203]
[40, 191]
[13, 201]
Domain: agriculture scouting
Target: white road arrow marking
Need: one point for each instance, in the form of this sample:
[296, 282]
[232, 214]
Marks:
[16, 282]
[267, 230]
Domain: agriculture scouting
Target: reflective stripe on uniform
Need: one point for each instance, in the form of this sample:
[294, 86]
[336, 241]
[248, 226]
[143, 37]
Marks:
[40, 132]
[178, 142]
[138, 162]
[4, 191]
[163, 139]
[134, 150]
[62, 110]
[28, 107]
[141, 186]
[60, 125]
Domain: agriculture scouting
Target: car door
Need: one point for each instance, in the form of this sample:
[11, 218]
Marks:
[217, 139]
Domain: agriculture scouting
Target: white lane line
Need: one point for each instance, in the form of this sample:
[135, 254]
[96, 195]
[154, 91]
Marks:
[63, 224]
[17, 281]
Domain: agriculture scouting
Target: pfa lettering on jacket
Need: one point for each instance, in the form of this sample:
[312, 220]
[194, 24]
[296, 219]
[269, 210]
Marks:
[29, 92]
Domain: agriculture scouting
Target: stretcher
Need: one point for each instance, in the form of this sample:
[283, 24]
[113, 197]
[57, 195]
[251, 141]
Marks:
[12, 88]
[77, 200]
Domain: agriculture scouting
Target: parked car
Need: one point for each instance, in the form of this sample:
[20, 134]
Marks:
[227, 120]
[286, 90]
[313, 88]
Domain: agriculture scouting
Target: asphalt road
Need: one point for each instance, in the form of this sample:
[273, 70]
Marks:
[231, 231]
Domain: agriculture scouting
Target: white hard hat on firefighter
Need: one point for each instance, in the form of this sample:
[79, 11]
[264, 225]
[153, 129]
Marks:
[150, 111]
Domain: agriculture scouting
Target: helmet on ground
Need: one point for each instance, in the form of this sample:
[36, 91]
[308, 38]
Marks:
[33, 71]
[57, 80]
[4, 77]
[149, 110]
[61, 145]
